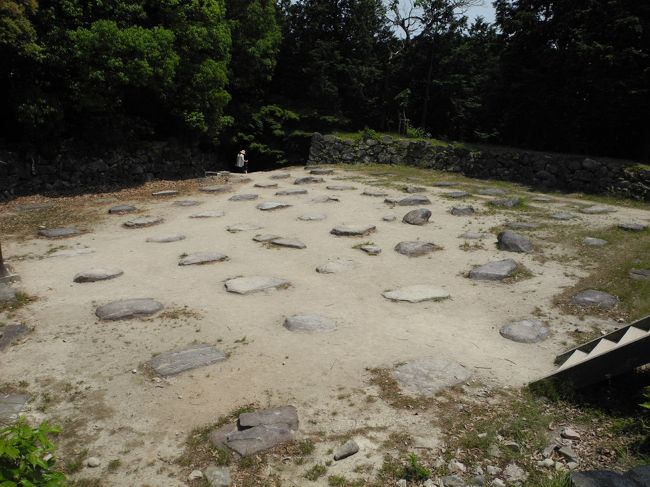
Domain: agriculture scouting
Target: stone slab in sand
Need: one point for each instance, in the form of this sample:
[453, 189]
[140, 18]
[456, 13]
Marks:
[200, 258]
[143, 221]
[187, 358]
[125, 309]
[309, 323]
[417, 293]
[59, 232]
[353, 230]
[255, 284]
[427, 376]
[98, 274]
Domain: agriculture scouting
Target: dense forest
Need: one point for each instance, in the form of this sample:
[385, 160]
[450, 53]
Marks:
[568, 75]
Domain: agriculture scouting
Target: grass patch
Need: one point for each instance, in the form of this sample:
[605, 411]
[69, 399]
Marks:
[315, 472]
[22, 300]
[22, 224]
[390, 392]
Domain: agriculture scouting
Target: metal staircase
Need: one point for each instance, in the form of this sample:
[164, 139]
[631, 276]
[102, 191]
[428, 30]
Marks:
[605, 357]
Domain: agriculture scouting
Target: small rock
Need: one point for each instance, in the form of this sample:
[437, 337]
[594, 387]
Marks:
[173, 237]
[572, 465]
[414, 189]
[514, 473]
[195, 474]
[494, 271]
[187, 203]
[143, 221]
[597, 210]
[462, 210]
[475, 235]
[242, 227]
[7, 293]
[97, 274]
[414, 201]
[593, 298]
[427, 376]
[506, 203]
[452, 481]
[640, 274]
[415, 249]
[594, 242]
[341, 187]
[208, 214]
[309, 323]
[525, 331]
[243, 197]
[265, 185]
[267, 237]
[402, 483]
[337, 265]
[289, 242]
[58, 232]
[493, 451]
[312, 217]
[514, 242]
[309, 180]
[498, 483]
[457, 194]
[562, 216]
[219, 188]
[445, 184]
[389, 218]
[290, 192]
[168, 192]
[371, 249]
[417, 217]
[491, 192]
[255, 284]
[93, 462]
[121, 209]
[353, 230]
[568, 453]
[325, 199]
[492, 470]
[272, 205]
[347, 450]
[128, 308]
[375, 193]
[632, 227]
[200, 258]
[218, 476]
[569, 433]
[282, 175]
[416, 294]
[547, 463]
[456, 466]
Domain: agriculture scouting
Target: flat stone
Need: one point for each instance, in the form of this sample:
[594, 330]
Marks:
[33, 207]
[597, 210]
[259, 438]
[593, 298]
[491, 191]
[325, 199]
[312, 217]
[11, 405]
[453, 481]
[125, 309]
[7, 293]
[568, 453]
[541, 199]
[562, 216]
[243, 197]
[291, 243]
[462, 210]
[58, 232]
[217, 476]
[8, 335]
[353, 230]
[601, 478]
[72, 252]
[414, 248]
[98, 274]
[289, 192]
[187, 358]
[282, 175]
[218, 438]
[594, 242]
[187, 203]
[371, 249]
[414, 189]
[417, 294]
[346, 450]
[266, 237]
[272, 205]
[167, 192]
[415, 200]
[475, 235]
[208, 214]
[521, 225]
[277, 416]
[242, 227]
[457, 194]
[309, 180]
[218, 188]
[506, 203]
[172, 237]
[143, 221]
[389, 218]
[427, 376]
[417, 217]
[122, 209]
[200, 258]
[494, 271]
[525, 331]
[255, 284]
[265, 185]
[632, 227]
[514, 242]
[445, 184]
[321, 172]
[374, 193]
[640, 274]
[514, 473]
[341, 187]
[309, 323]
[337, 265]
[640, 474]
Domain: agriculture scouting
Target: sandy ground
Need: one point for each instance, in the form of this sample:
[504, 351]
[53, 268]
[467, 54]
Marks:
[86, 366]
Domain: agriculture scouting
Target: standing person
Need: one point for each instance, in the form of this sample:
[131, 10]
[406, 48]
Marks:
[242, 162]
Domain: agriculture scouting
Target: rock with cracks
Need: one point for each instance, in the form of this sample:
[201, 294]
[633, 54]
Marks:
[243, 197]
[59, 232]
[121, 209]
[494, 271]
[125, 309]
[309, 323]
[353, 230]
[272, 205]
[337, 265]
[591, 298]
[292, 243]
[417, 294]
[187, 358]
[427, 376]
[514, 242]
[346, 450]
[417, 217]
[200, 258]
[255, 284]
[143, 221]
[525, 331]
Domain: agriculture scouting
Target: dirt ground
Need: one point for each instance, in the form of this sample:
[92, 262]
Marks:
[88, 375]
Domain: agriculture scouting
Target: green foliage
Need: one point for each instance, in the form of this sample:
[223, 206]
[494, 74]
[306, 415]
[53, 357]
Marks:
[414, 470]
[417, 133]
[27, 456]
[370, 134]
[315, 472]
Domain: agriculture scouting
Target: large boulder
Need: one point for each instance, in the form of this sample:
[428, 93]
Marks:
[514, 242]
[417, 217]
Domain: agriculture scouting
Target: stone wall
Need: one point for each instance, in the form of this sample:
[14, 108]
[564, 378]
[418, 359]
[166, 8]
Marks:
[75, 171]
[541, 170]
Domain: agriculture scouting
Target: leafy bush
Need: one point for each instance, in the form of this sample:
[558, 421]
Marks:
[414, 470]
[417, 133]
[371, 134]
[27, 456]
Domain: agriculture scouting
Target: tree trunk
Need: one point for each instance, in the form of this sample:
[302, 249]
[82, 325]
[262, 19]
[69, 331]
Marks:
[427, 91]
